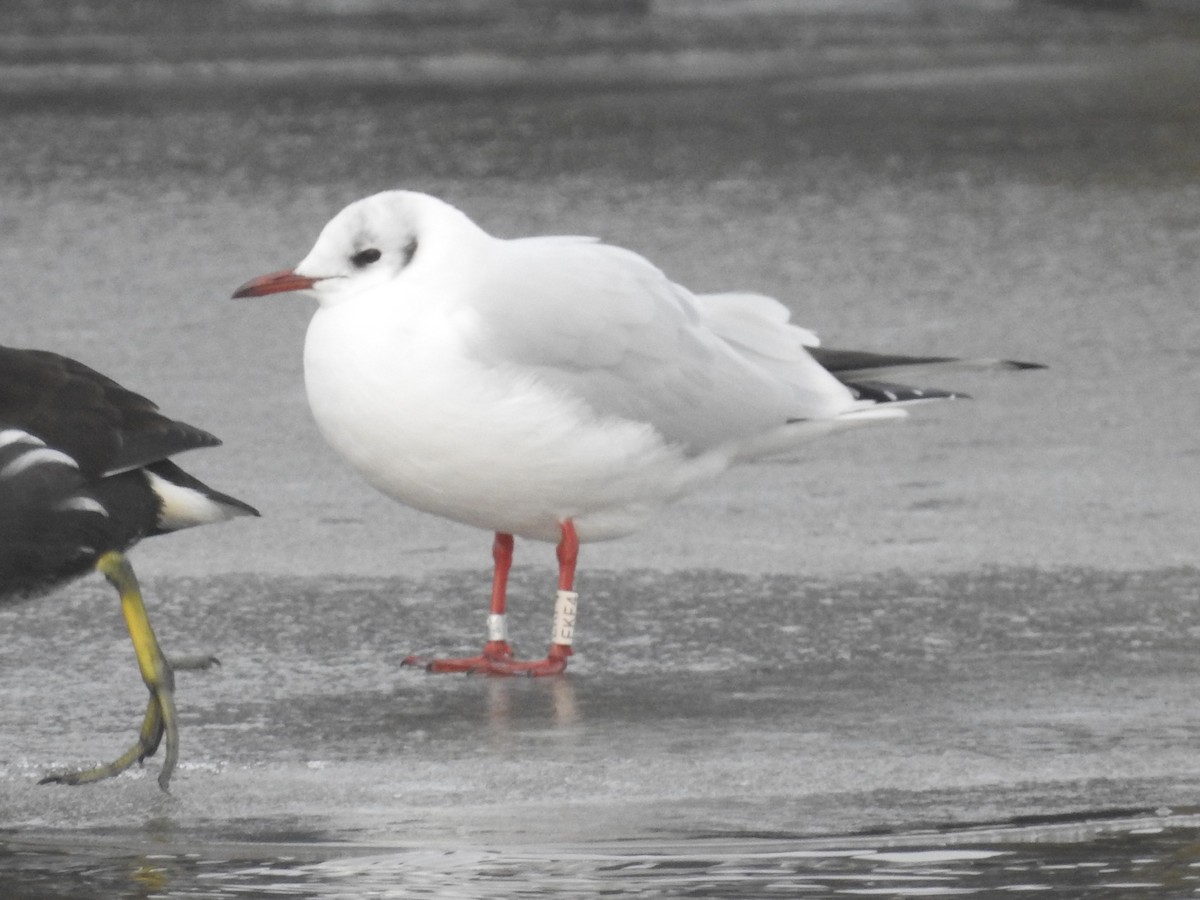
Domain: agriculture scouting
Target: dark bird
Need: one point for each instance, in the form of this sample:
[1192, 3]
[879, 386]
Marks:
[85, 474]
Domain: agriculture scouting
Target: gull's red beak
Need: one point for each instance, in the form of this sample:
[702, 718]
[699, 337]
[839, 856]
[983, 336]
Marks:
[275, 283]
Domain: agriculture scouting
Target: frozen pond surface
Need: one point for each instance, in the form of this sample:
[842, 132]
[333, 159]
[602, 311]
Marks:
[721, 736]
[957, 656]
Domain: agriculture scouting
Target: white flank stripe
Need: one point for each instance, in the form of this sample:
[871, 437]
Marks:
[38, 456]
[82, 504]
[17, 436]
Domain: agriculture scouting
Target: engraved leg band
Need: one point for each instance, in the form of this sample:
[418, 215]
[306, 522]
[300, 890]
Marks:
[564, 617]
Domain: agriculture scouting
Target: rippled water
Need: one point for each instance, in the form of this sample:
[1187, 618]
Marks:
[1123, 856]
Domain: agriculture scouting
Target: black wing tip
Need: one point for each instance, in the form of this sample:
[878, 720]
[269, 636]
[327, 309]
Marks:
[207, 437]
[199, 438]
[889, 392]
[856, 365]
[156, 440]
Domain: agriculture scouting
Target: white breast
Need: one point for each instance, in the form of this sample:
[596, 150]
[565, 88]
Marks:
[487, 445]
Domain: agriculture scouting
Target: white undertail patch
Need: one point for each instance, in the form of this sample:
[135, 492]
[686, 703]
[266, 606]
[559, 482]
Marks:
[183, 507]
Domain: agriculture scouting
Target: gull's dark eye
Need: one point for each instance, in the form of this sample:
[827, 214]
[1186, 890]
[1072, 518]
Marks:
[365, 257]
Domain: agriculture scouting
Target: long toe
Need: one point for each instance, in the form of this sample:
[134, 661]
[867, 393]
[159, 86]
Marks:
[149, 737]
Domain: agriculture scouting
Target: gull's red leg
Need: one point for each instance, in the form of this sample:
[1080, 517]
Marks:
[564, 605]
[568, 555]
[497, 658]
[502, 554]
[496, 649]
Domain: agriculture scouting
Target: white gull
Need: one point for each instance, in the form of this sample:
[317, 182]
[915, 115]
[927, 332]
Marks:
[554, 388]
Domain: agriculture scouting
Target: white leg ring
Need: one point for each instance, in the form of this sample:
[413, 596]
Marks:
[497, 627]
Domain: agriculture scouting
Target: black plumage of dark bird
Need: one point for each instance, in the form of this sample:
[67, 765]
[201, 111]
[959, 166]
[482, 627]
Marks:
[85, 473]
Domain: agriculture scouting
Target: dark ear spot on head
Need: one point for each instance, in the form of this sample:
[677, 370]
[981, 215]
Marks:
[410, 250]
[365, 257]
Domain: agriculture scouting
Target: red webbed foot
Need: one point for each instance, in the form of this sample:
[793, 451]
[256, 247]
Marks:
[497, 659]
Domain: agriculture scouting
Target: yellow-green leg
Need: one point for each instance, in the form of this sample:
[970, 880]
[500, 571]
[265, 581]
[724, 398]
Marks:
[157, 673]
